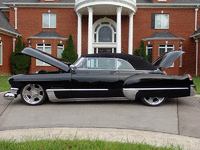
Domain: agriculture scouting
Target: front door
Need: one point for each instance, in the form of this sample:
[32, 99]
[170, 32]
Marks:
[104, 50]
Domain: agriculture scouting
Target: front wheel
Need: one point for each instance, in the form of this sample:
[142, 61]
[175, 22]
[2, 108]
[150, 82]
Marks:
[153, 101]
[33, 94]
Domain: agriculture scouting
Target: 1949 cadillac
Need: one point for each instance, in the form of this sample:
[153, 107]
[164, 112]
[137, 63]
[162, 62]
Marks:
[100, 77]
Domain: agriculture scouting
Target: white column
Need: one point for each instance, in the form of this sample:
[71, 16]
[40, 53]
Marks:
[79, 36]
[197, 54]
[15, 17]
[90, 22]
[119, 11]
[130, 46]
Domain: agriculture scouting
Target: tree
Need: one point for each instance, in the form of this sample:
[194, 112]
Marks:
[19, 63]
[141, 51]
[69, 54]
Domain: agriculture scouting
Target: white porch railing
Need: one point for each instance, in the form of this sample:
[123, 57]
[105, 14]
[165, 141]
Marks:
[129, 1]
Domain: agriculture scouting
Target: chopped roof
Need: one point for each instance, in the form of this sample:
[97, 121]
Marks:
[6, 26]
[162, 36]
[138, 62]
[47, 35]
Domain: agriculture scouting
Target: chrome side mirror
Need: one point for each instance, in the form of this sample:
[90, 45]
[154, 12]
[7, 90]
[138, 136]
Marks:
[73, 67]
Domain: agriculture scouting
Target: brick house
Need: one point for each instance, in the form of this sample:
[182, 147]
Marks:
[99, 26]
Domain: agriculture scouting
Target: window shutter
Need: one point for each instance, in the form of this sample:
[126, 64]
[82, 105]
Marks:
[152, 21]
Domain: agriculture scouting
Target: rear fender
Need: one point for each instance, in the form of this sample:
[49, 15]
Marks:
[156, 85]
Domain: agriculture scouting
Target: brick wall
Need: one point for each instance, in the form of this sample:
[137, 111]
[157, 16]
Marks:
[181, 24]
[7, 49]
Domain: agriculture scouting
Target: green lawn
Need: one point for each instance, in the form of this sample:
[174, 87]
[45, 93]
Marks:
[79, 145]
[4, 85]
[196, 81]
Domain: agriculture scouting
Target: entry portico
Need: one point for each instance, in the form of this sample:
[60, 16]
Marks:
[105, 34]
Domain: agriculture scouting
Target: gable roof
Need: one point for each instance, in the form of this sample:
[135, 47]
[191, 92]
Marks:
[6, 27]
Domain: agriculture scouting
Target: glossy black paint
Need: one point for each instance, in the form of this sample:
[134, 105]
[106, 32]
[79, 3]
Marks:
[145, 81]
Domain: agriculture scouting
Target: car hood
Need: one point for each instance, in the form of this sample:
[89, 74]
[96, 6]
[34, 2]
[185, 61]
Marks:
[167, 59]
[47, 58]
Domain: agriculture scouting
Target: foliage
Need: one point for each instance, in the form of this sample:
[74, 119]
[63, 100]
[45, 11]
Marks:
[69, 54]
[19, 63]
[141, 51]
[80, 145]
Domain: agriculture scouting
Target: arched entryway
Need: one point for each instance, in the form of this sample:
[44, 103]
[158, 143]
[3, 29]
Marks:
[104, 36]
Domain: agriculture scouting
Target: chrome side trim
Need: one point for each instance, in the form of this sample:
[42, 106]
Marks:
[90, 99]
[192, 91]
[130, 94]
[143, 89]
[53, 98]
[50, 90]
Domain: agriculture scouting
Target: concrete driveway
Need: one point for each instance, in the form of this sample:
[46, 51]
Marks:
[179, 116]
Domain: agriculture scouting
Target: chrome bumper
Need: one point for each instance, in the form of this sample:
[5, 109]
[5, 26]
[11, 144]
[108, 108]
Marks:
[12, 94]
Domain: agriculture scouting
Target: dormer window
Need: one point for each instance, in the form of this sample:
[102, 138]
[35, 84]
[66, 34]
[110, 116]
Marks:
[49, 20]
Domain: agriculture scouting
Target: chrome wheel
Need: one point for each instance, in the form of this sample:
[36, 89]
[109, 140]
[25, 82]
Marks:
[33, 94]
[153, 101]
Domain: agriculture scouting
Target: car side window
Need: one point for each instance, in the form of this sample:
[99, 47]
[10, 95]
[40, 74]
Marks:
[124, 65]
[101, 63]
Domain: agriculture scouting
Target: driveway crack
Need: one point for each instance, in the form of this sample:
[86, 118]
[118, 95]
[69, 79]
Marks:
[178, 118]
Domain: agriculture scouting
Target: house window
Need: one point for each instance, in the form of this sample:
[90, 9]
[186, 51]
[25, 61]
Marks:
[45, 48]
[164, 49]
[49, 20]
[60, 48]
[160, 21]
[149, 50]
[1, 53]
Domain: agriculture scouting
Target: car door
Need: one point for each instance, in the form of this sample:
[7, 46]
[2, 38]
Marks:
[96, 77]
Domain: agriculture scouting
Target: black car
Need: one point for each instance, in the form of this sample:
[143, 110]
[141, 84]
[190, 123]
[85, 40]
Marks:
[100, 77]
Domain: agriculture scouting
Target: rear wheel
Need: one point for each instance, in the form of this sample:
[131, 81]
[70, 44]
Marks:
[33, 94]
[153, 101]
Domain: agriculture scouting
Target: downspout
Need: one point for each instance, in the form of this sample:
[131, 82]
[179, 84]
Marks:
[197, 47]
[197, 41]
[15, 8]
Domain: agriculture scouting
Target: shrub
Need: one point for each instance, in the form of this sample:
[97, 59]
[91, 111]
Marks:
[69, 54]
[141, 51]
[19, 63]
